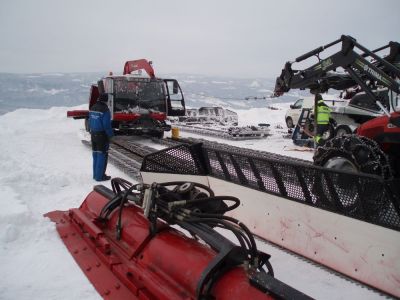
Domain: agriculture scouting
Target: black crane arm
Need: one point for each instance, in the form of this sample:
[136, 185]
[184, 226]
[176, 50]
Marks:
[358, 70]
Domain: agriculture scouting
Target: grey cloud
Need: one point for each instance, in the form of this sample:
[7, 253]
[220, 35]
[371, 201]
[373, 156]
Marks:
[229, 38]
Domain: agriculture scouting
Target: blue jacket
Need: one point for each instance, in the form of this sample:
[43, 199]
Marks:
[100, 119]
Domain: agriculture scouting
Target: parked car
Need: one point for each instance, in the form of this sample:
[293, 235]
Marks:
[347, 114]
[293, 113]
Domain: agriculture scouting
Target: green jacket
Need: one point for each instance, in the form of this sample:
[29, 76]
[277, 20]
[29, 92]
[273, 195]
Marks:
[323, 113]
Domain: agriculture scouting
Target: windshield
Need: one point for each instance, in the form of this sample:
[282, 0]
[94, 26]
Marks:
[138, 94]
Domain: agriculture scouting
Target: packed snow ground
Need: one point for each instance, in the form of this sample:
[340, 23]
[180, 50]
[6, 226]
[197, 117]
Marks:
[276, 143]
[45, 167]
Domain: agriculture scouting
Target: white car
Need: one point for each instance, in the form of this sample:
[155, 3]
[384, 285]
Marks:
[346, 114]
[293, 113]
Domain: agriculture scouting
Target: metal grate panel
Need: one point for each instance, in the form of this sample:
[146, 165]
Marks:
[361, 196]
[181, 159]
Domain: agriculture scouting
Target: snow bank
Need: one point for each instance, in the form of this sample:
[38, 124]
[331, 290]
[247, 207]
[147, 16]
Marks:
[255, 116]
[276, 143]
[43, 167]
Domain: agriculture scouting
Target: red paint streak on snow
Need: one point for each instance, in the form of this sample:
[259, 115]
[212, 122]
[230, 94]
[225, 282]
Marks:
[284, 226]
[363, 257]
[396, 278]
[318, 234]
[390, 263]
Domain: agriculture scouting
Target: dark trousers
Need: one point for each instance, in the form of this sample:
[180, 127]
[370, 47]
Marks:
[321, 128]
[100, 145]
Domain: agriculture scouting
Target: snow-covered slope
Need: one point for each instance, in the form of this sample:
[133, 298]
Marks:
[45, 167]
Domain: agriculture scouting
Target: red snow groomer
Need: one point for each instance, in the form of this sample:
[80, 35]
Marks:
[139, 101]
[123, 242]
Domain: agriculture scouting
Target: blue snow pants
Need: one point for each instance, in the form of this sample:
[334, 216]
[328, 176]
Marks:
[100, 145]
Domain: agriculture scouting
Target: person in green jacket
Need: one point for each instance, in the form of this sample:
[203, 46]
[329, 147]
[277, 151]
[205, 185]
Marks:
[323, 114]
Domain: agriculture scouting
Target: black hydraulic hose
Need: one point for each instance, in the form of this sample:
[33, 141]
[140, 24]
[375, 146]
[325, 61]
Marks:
[109, 207]
[218, 217]
[245, 228]
[123, 188]
[210, 191]
[239, 235]
[241, 232]
[237, 222]
[243, 239]
[208, 199]
[231, 227]
[117, 182]
[121, 206]
[119, 200]
[218, 223]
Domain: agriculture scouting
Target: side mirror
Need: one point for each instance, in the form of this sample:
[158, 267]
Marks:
[291, 106]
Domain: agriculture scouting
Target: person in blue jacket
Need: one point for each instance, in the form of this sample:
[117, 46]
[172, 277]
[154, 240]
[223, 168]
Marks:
[101, 133]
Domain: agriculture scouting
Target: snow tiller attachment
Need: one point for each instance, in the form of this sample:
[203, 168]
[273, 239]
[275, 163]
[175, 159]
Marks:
[123, 242]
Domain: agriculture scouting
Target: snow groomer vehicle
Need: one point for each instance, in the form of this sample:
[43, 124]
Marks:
[139, 101]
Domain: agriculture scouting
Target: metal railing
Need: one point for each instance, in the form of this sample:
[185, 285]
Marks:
[365, 197]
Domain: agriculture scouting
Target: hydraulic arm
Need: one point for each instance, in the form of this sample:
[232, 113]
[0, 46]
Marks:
[358, 70]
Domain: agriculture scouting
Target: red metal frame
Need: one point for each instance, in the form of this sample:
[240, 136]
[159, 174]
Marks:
[78, 114]
[160, 116]
[126, 117]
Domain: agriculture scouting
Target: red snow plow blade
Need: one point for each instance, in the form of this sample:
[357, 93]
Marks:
[122, 241]
[129, 117]
[123, 117]
[78, 114]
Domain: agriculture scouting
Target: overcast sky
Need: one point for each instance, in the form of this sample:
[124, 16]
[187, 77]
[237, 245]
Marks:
[212, 37]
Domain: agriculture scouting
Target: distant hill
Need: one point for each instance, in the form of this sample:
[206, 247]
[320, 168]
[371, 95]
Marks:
[70, 89]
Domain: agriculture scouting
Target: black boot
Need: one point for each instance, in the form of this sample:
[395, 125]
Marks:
[105, 178]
